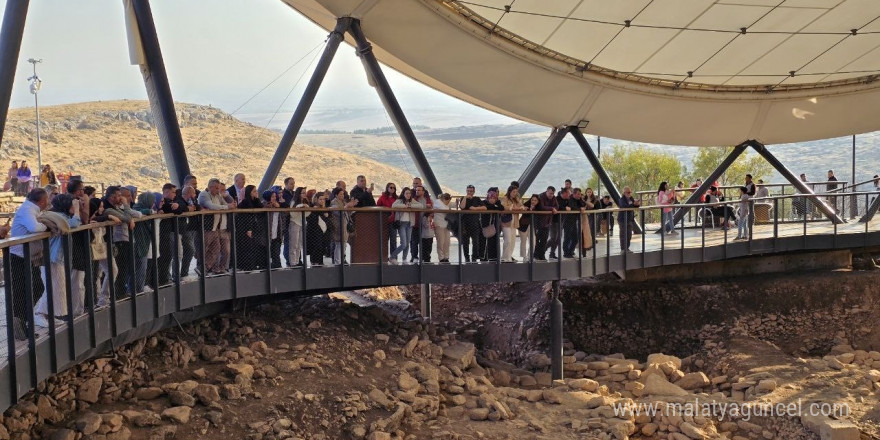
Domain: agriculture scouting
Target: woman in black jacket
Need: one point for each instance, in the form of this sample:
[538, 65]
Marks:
[250, 232]
[492, 203]
[318, 230]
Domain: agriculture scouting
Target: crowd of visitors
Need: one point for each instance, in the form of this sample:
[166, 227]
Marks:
[242, 227]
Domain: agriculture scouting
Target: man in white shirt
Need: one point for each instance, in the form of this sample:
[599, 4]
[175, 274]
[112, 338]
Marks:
[26, 222]
[216, 233]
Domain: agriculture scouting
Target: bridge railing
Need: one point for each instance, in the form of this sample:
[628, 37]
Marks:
[73, 294]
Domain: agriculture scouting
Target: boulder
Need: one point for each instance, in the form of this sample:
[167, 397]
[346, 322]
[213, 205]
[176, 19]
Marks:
[660, 358]
[460, 355]
[692, 381]
[657, 385]
[178, 414]
[88, 424]
[89, 390]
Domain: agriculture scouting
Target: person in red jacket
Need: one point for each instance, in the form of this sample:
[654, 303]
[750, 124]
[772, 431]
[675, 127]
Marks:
[390, 231]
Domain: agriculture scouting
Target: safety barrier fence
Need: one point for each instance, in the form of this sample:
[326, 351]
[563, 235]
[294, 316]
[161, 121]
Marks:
[71, 295]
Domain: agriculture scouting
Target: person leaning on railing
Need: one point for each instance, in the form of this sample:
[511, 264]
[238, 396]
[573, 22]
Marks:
[472, 237]
[189, 228]
[391, 225]
[26, 222]
[546, 202]
[276, 228]
[491, 225]
[318, 230]
[61, 217]
[441, 226]
[250, 231]
[510, 222]
[143, 238]
[406, 219]
[341, 221]
[216, 232]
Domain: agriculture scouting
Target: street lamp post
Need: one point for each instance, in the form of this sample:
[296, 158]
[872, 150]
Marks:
[36, 84]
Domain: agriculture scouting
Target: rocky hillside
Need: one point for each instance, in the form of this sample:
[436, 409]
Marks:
[116, 142]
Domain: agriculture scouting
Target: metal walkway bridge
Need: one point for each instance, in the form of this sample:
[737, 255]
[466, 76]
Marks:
[73, 336]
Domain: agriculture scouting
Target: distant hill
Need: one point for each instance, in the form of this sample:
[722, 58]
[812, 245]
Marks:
[115, 142]
[493, 155]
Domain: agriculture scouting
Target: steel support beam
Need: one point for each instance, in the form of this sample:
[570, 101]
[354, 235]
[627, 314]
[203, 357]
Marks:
[604, 179]
[374, 72]
[788, 175]
[715, 175]
[159, 93]
[556, 349]
[10, 47]
[872, 210]
[426, 301]
[305, 103]
[537, 164]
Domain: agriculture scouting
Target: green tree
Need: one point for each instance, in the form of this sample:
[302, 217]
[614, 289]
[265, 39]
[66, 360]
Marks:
[640, 168]
[708, 159]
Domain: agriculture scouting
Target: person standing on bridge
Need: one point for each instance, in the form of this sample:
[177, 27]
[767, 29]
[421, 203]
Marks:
[510, 222]
[626, 218]
[472, 240]
[548, 203]
[26, 222]
[406, 220]
[390, 225]
[742, 220]
[216, 233]
[237, 189]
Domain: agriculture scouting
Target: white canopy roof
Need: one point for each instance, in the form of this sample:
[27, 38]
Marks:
[687, 72]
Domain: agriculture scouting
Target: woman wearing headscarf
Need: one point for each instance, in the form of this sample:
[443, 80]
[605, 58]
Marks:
[248, 231]
[275, 234]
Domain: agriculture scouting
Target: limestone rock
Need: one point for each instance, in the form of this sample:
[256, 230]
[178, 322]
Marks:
[207, 394]
[89, 390]
[660, 358]
[178, 414]
[478, 414]
[659, 386]
[460, 354]
[148, 393]
[88, 423]
[62, 434]
[692, 381]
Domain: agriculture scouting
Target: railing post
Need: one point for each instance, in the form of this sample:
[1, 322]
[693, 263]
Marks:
[10, 327]
[49, 292]
[29, 313]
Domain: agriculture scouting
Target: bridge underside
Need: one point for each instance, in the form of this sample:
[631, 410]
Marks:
[199, 297]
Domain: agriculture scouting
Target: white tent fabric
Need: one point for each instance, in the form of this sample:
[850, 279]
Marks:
[685, 72]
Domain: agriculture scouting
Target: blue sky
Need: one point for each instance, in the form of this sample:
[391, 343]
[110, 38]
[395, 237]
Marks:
[219, 52]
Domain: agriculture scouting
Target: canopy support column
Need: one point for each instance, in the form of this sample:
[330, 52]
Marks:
[604, 179]
[537, 164]
[788, 175]
[715, 175]
[305, 103]
[10, 46]
[159, 92]
[374, 72]
[872, 210]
